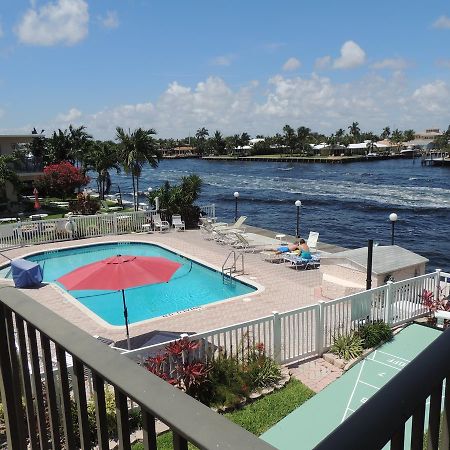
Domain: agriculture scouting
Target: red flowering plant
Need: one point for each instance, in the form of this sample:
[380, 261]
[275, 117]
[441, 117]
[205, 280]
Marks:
[61, 180]
[441, 303]
[181, 366]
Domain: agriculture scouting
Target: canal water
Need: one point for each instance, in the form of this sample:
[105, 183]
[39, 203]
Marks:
[346, 203]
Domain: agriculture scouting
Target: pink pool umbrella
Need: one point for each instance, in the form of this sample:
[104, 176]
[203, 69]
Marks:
[119, 273]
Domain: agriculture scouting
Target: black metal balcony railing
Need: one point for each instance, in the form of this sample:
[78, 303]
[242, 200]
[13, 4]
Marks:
[382, 418]
[37, 408]
[29, 165]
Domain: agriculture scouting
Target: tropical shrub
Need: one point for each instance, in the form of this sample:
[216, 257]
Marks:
[61, 180]
[179, 199]
[224, 380]
[84, 204]
[375, 333]
[347, 346]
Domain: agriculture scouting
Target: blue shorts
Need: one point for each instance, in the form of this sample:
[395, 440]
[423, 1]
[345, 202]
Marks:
[283, 249]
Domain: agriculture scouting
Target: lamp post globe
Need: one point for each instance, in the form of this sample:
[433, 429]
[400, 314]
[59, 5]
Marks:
[236, 196]
[149, 189]
[393, 218]
[298, 203]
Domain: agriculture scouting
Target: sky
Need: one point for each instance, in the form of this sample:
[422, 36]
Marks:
[227, 65]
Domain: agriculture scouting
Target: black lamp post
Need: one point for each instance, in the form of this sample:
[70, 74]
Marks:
[298, 203]
[236, 196]
[393, 218]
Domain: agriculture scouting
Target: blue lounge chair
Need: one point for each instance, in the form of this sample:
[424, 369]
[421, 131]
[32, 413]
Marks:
[298, 262]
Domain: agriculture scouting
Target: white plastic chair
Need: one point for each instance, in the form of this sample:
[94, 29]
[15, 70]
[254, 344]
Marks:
[160, 225]
[177, 223]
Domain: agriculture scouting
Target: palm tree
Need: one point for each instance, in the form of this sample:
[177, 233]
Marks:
[201, 135]
[218, 143]
[409, 135]
[339, 133]
[135, 149]
[397, 138]
[102, 157]
[290, 139]
[386, 133]
[302, 135]
[59, 147]
[79, 140]
[355, 131]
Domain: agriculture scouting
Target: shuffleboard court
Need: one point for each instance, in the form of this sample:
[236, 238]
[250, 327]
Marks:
[305, 427]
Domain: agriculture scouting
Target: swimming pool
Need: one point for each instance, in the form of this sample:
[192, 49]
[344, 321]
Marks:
[192, 285]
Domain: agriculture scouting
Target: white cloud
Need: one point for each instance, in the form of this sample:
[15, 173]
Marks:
[315, 101]
[442, 22]
[391, 63]
[60, 22]
[352, 55]
[110, 20]
[322, 63]
[433, 97]
[72, 115]
[291, 64]
[223, 60]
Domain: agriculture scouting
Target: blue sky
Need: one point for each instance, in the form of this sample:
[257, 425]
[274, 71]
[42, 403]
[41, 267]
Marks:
[229, 65]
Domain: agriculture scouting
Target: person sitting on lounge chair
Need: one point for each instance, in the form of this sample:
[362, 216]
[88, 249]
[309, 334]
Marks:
[304, 250]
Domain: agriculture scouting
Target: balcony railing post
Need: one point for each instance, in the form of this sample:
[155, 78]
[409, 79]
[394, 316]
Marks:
[437, 285]
[276, 337]
[320, 328]
[388, 302]
[11, 404]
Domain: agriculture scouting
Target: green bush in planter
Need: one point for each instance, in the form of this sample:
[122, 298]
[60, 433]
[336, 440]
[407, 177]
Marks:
[347, 346]
[375, 333]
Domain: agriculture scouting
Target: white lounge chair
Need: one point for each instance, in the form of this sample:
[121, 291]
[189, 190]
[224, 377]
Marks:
[160, 225]
[235, 226]
[244, 242]
[177, 223]
[312, 241]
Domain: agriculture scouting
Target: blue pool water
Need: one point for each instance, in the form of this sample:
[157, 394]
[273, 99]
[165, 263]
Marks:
[188, 288]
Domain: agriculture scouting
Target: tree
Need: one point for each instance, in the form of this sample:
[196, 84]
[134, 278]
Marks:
[135, 149]
[290, 139]
[218, 143]
[409, 135]
[386, 133]
[7, 173]
[302, 136]
[200, 136]
[397, 137]
[59, 148]
[339, 134]
[179, 199]
[61, 179]
[79, 142]
[355, 131]
[101, 158]
[38, 147]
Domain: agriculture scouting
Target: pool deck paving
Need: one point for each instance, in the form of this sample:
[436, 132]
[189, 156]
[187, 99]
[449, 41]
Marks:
[282, 288]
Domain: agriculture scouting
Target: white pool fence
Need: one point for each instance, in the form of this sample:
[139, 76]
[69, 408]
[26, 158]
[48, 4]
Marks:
[309, 331]
[53, 230]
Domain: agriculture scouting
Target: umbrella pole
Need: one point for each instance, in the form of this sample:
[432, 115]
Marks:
[125, 314]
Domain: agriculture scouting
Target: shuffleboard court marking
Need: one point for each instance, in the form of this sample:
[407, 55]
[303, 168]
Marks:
[370, 385]
[353, 391]
[394, 356]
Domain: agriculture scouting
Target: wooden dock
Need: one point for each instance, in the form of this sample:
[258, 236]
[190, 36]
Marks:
[303, 159]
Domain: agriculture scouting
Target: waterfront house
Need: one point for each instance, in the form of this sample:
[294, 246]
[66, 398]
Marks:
[27, 169]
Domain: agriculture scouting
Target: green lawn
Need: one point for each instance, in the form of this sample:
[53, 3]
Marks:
[259, 416]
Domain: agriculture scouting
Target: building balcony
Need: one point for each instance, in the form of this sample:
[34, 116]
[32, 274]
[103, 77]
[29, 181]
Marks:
[45, 365]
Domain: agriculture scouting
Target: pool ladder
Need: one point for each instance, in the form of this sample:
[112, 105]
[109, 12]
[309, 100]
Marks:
[232, 259]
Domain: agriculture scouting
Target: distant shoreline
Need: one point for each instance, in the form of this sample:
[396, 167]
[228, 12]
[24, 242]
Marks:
[304, 159]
